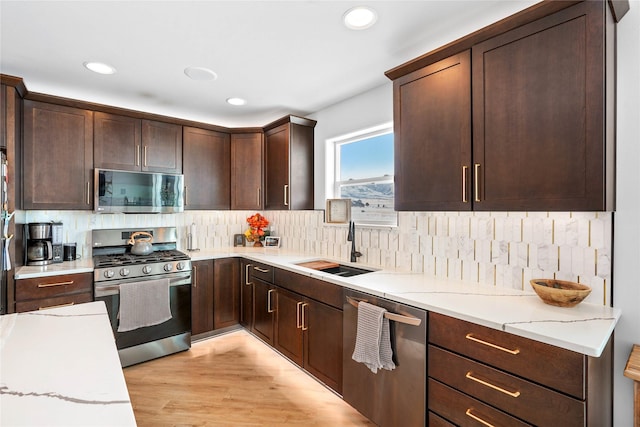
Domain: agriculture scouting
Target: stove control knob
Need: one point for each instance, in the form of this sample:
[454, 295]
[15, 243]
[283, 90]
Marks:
[109, 274]
[124, 272]
[168, 267]
[180, 265]
[146, 269]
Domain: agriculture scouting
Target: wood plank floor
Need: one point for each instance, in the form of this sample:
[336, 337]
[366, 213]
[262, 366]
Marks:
[232, 380]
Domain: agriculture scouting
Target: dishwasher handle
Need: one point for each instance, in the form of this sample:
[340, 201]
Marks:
[409, 320]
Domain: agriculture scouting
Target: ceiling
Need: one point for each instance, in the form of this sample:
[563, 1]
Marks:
[283, 57]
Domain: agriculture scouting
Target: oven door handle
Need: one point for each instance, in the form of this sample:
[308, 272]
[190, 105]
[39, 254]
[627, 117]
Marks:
[109, 289]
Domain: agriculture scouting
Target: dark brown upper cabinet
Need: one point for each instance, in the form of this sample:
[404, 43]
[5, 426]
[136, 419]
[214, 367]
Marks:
[207, 176]
[432, 134]
[127, 143]
[57, 157]
[542, 133]
[539, 115]
[247, 170]
[289, 164]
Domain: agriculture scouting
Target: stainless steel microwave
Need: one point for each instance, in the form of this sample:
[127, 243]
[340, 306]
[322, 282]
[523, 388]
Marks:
[137, 192]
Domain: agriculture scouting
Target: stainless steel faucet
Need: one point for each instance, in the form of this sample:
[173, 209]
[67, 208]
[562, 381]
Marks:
[351, 237]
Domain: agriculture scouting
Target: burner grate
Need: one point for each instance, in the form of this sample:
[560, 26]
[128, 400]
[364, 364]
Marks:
[101, 261]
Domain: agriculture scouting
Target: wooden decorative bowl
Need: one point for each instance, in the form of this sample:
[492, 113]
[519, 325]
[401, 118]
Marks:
[560, 293]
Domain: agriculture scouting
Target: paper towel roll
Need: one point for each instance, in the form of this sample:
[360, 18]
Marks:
[192, 231]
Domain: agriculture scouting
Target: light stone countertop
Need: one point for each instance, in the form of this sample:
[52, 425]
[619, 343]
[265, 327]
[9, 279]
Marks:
[60, 367]
[585, 328]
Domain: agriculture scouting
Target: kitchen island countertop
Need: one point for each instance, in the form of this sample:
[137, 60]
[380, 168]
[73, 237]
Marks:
[60, 367]
[585, 328]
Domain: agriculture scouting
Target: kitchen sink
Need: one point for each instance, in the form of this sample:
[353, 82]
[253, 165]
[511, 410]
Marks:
[335, 268]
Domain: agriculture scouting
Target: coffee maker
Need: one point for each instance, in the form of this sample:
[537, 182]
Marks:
[39, 247]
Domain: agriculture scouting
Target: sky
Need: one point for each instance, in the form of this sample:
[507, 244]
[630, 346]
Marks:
[370, 157]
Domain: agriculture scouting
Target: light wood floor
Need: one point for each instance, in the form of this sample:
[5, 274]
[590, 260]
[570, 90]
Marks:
[232, 380]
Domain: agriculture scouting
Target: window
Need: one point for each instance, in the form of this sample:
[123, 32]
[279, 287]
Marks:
[363, 172]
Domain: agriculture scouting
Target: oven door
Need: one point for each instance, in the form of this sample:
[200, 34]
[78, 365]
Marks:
[179, 324]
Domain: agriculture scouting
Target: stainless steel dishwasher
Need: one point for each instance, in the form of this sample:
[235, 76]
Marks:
[388, 398]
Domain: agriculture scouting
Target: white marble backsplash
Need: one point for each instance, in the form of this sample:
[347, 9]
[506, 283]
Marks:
[501, 249]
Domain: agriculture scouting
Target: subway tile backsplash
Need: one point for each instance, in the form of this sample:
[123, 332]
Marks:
[502, 249]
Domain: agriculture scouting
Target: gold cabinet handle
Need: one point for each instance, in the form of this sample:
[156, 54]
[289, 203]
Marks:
[298, 312]
[48, 285]
[144, 161]
[470, 376]
[88, 192]
[478, 419]
[258, 200]
[464, 184]
[304, 317]
[137, 155]
[269, 307]
[470, 336]
[57, 306]
[246, 274]
[286, 191]
[476, 183]
[195, 276]
[261, 270]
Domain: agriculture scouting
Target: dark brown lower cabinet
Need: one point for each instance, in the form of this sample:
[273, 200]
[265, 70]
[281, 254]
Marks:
[246, 295]
[39, 293]
[482, 376]
[201, 297]
[310, 334]
[263, 310]
[226, 292]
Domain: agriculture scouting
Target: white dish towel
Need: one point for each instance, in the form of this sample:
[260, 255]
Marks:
[143, 304]
[373, 338]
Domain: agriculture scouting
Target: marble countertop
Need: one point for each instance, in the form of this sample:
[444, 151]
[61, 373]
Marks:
[585, 328]
[60, 367]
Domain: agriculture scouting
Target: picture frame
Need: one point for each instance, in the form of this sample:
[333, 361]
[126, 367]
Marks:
[338, 211]
[272, 241]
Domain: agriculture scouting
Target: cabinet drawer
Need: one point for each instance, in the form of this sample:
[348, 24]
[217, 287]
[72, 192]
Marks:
[52, 286]
[316, 289]
[519, 397]
[463, 410]
[41, 304]
[545, 364]
[261, 271]
[436, 421]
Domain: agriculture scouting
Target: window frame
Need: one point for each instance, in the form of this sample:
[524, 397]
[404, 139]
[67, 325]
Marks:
[334, 170]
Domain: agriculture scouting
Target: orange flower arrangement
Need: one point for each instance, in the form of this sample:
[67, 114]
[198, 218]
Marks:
[257, 224]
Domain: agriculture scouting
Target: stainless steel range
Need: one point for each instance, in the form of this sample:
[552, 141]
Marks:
[116, 265]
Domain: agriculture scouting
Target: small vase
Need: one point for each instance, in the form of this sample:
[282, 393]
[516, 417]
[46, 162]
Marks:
[257, 244]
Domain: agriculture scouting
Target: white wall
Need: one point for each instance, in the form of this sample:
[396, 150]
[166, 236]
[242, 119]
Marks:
[626, 288]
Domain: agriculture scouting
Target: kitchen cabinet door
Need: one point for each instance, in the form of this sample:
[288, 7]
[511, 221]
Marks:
[57, 157]
[246, 171]
[432, 136]
[289, 164]
[226, 292]
[289, 333]
[202, 295]
[207, 176]
[539, 137]
[246, 295]
[116, 142]
[263, 310]
[161, 147]
[322, 326]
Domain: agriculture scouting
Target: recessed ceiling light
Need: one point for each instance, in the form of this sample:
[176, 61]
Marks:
[200, 73]
[360, 18]
[236, 101]
[99, 67]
